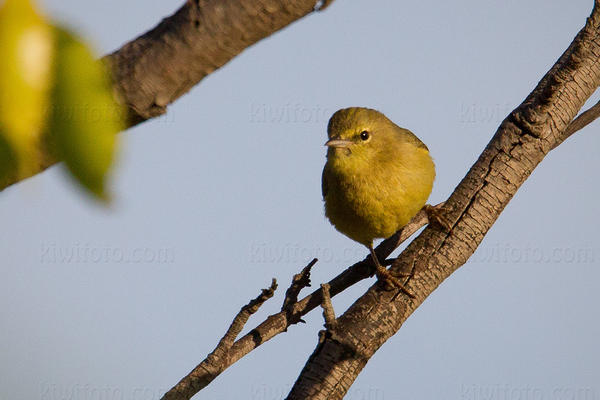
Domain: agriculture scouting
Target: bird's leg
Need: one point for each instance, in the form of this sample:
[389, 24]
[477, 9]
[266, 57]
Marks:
[386, 276]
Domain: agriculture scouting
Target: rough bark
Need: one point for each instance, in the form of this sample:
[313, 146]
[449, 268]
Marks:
[519, 145]
[212, 366]
[291, 313]
[152, 71]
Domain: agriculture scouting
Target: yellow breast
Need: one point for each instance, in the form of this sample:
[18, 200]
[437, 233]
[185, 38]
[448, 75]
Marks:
[376, 201]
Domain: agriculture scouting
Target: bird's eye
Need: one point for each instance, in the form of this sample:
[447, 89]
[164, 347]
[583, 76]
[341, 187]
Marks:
[364, 135]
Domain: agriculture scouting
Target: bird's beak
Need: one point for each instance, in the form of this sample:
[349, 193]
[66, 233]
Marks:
[338, 143]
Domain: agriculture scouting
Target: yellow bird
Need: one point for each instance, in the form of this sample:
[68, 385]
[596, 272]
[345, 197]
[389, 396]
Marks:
[376, 178]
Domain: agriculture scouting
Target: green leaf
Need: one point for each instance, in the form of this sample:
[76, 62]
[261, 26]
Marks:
[85, 117]
[26, 43]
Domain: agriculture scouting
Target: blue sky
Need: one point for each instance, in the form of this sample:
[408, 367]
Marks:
[223, 193]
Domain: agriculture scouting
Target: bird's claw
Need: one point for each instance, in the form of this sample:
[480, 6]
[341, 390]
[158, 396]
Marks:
[437, 215]
[385, 276]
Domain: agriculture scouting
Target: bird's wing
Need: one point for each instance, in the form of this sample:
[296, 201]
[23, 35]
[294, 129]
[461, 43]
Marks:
[412, 138]
[417, 142]
[324, 185]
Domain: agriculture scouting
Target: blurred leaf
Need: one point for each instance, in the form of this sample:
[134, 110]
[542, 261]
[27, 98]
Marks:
[85, 118]
[8, 162]
[25, 61]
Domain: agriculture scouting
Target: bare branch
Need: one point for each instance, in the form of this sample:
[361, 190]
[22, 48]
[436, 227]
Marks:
[292, 312]
[214, 363]
[299, 282]
[328, 313]
[582, 120]
[519, 145]
[155, 69]
[242, 317]
[278, 323]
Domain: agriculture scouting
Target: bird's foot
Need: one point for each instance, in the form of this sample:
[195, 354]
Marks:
[385, 276]
[437, 215]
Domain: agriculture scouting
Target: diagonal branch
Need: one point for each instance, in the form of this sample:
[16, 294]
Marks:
[157, 68]
[208, 369]
[582, 120]
[291, 313]
[519, 145]
[299, 282]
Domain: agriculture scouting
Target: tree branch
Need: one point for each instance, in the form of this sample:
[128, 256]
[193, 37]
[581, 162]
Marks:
[208, 369]
[154, 70]
[291, 312]
[328, 312]
[582, 120]
[519, 145]
[299, 282]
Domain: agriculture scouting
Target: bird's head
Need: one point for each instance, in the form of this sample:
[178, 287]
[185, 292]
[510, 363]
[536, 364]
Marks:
[361, 137]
